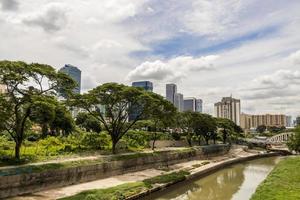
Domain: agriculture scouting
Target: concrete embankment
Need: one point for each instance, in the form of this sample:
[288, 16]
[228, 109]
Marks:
[24, 183]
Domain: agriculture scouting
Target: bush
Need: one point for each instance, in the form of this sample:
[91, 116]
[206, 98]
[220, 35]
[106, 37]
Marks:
[137, 139]
[96, 141]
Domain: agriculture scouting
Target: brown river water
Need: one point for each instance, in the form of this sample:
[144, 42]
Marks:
[237, 182]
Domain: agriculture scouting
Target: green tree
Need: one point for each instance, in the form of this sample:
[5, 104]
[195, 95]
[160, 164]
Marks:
[228, 129]
[119, 100]
[25, 83]
[88, 122]
[43, 113]
[63, 122]
[204, 125]
[162, 114]
[184, 121]
[294, 141]
[261, 129]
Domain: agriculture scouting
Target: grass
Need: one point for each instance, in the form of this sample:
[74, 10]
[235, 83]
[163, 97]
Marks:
[282, 183]
[166, 178]
[129, 189]
[114, 193]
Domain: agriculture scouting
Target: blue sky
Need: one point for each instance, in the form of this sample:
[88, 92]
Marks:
[209, 48]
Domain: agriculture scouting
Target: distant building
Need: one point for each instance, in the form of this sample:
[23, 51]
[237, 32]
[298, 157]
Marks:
[75, 74]
[253, 121]
[147, 85]
[289, 121]
[171, 91]
[199, 105]
[179, 102]
[229, 108]
[2, 89]
[190, 104]
[297, 122]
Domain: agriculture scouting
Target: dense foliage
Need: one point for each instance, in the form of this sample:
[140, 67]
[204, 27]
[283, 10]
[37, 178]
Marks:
[28, 86]
[113, 116]
[294, 142]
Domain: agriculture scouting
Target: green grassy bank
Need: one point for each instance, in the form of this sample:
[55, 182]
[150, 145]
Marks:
[282, 183]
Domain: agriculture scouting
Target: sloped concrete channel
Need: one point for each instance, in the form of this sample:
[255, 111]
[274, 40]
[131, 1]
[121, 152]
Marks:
[26, 183]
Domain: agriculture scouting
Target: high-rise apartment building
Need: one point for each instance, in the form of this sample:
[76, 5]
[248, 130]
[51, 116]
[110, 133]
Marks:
[171, 91]
[75, 74]
[229, 108]
[179, 102]
[190, 104]
[199, 105]
[147, 85]
[269, 120]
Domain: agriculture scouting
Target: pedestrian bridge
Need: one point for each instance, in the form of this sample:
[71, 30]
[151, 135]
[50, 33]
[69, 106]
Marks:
[280, 138]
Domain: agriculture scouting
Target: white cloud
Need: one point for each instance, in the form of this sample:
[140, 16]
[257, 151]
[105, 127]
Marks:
[9, 5]
[51, 18]
[213, 17]
[255, 39]
[295, 57]
[173, 69]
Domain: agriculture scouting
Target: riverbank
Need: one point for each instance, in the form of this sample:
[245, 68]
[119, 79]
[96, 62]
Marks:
[136, 185]
[27, 179]
[282, 183]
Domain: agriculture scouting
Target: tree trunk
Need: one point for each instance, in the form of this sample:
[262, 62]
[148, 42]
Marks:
[17, 150]
[224, 137]
[207, 141]
[44, 130]
[154, 140]
[114, 146]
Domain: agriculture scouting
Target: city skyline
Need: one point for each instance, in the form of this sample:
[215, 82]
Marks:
[211, 55]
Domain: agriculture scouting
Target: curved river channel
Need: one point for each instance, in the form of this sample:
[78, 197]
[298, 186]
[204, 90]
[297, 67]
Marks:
[237, 182]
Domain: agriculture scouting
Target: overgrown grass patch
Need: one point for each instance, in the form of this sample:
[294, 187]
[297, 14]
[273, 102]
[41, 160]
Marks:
[129, 189]
[282, 183]
[114, 193]
[166, 178]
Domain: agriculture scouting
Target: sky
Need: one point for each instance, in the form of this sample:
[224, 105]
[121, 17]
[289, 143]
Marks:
[249, 49]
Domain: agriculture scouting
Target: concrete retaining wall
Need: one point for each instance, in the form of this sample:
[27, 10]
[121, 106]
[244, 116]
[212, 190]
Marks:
[34, 182]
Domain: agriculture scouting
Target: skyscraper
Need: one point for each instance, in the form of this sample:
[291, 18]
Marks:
[171, 91]
[179, 102]
[147, 85]
[229, 108]
[75, 74]
[190, 104]
[199, 105]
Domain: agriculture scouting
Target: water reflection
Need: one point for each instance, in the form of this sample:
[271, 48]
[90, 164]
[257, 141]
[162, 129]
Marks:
[237, 182]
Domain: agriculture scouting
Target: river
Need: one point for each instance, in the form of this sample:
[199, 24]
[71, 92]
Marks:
[237, 182]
